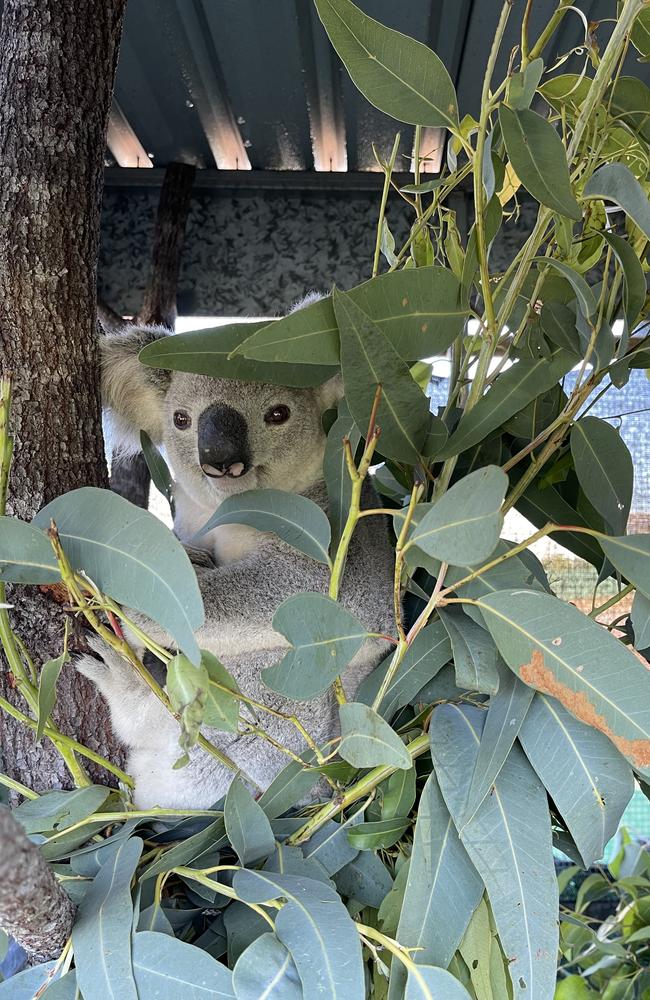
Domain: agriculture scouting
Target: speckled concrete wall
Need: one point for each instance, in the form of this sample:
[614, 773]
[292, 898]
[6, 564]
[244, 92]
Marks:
[254, 253]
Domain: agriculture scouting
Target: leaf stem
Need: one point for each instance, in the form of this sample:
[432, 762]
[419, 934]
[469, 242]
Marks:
[388, 170]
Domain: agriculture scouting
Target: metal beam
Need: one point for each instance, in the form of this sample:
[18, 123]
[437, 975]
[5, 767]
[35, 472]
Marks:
[122, 141]
[327, 182]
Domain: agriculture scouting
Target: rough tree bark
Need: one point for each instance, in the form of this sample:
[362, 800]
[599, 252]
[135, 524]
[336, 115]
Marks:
[130, 477]
[34, 909]
[57, 64]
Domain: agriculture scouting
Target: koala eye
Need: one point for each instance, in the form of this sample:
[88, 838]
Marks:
[277, 414]
[182, 420]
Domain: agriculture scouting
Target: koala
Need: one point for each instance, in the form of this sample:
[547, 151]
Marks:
[222, 436]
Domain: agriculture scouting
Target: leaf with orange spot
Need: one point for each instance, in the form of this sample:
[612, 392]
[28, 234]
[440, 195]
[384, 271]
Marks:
[556, 649]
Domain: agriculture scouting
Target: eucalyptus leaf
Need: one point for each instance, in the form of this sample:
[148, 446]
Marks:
[585, 297]
[463, 527]
[24, 985]
[26, 555]
[379, 834]
[315, 927]
[365, 879]
[297, 520]
[369, 361]
[475, 655]
[427, 982]
[556, 649]
[635, 283]
[335, 469]
[616, 182]
[539, 158]
[247, 825]
[48, 677]
[509, 841]
[511, 392]
[558, 323]
[442, 889]
[399, 75]
[507, 712]
[57, 810]
[187, 687]
[288, 787]
[215, 353]
[425, 656]
[266, 971]
[587, 778]
[131, 556]
[331, 845]
[640, 615]
[368, 741]
[161, 477]
[418, 310]
[169, 969]
[324, 637]
[221, 709]
[398, 794]
[604, 468]
[103, 927]
[522, 85]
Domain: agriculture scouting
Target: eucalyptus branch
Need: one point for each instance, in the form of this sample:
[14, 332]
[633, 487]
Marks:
[388, 171]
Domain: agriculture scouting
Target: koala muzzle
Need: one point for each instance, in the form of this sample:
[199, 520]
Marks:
[223, 442]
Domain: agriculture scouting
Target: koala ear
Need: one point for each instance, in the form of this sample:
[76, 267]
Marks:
[132, 393]
[330, 393]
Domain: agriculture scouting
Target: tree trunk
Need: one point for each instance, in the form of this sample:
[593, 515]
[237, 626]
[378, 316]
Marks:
[130, 476]
[57, 64]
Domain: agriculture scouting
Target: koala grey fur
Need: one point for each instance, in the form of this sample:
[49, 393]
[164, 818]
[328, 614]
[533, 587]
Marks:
[254, 572]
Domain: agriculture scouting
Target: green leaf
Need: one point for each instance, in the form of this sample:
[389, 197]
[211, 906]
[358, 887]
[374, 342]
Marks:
[208, 352]
[158, 470]
[510, 393]
[630, 100]
[103, 928]
[509, 841]
[131, 556]
[368, 741]
[635, 284]
[26, 555]
[640, 35]
[541, 504]
[506, 713]
[335, 469]
[616, 182]
[630, 554]
[369, 360]
[442, 890]
[463, 527]
[365, 879]
[399, 75]
[266, 970]
[288, 787]
[475, 655]
[476, 948]
[315, 927]
[585, 297]
[493, 218]
[56, 811]
[426, 655]
[187, 687]
[418, 310]
[205, 842]
[48, 677]
[324, 637]
[558, 324]
[168, 969]
[604, 468]
[522, 86]
[398, 794]
[430, 983]
[330, 845]
[555, 648]
[297, 520]
[539, 159]
[566, 90]
[587, 778]
[26, 984]
[247, 825]
[379, 834]
[221, 708]
[573, 988]
[640, 615]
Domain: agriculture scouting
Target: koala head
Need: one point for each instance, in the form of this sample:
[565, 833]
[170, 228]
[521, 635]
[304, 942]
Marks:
[220, 436]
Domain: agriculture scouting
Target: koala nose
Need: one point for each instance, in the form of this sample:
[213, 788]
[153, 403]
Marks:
[223, 442]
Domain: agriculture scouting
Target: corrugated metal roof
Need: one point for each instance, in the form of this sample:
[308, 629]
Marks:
[255, 84]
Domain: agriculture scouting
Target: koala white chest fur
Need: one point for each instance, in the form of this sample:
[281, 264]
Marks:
[221, 437]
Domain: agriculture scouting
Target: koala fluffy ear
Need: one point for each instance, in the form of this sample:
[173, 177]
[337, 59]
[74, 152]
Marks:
[331, 392]
[132, 393]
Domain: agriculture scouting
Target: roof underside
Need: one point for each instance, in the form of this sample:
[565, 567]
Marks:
[255, 84]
